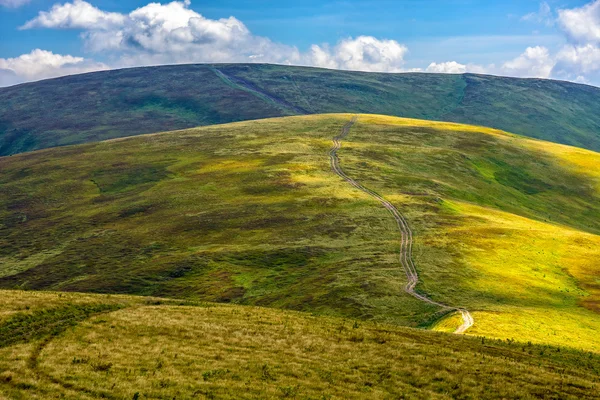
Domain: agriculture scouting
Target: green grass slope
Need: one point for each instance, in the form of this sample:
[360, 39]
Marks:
[251, 213]
[98, 106]
[75, 346]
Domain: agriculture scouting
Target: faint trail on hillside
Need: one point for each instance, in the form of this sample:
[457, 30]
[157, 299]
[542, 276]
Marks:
[309, 108]
[406, 241]
[33, 364]
[250, 87]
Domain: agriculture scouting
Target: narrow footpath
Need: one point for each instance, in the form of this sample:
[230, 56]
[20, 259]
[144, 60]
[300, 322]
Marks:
[406, 241]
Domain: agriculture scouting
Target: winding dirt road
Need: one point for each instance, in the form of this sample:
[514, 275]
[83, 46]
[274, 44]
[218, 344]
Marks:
[406, 241]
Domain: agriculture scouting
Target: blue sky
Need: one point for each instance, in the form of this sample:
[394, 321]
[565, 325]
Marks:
[476, 36]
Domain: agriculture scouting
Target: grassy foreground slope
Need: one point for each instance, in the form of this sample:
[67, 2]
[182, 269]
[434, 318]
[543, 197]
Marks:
[251, 213]
[119, 347]
[104, 105]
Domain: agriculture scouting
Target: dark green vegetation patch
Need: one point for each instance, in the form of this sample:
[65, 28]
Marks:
[124, 176]
[26, 327]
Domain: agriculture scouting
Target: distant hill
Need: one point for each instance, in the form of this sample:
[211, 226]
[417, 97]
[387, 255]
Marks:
[251, 213]
[103, 105]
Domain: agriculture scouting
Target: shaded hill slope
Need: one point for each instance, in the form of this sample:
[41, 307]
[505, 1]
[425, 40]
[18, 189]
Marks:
[119, 347]
[251, 213]
[104, 105]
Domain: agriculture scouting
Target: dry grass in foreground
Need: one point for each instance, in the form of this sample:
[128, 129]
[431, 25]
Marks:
[131, 348]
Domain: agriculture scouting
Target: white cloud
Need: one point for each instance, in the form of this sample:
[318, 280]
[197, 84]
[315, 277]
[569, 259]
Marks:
[41, 64]
[164, 33]
[13, 3]
[76, 15]
[534, 62]
[321, 57]
[9, 77]
[577, 63]
[580, 60]
[365, 53]
[582, 24]
[173, 33]
[450, 67]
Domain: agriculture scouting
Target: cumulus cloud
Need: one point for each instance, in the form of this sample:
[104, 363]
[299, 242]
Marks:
[13, 3]
[365, 53]
[582, 24]
[580, 59]
[76, 15]
[534, 62]
[173, 33]
[450, 67]
[41, 64]
[576, 62]
[453, 67]
[9, 77]
[164, 33]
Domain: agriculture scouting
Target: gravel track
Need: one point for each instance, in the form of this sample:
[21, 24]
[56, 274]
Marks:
[406, 242]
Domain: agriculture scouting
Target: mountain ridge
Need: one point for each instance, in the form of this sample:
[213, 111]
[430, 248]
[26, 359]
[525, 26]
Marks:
[119, 103]
[308, 67]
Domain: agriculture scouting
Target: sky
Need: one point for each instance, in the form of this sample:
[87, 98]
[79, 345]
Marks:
[558, 39]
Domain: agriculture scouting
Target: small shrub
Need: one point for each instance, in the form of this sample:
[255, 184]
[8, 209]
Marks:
[6, 376]
[214, 374]
[164, 383]
[383, 373]
[266, 374]
[356, 338]
[101, 366]
[327, 376]
[289, 391]
[380, 339]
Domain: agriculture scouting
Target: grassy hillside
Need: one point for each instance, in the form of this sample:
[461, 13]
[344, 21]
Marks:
[251, 213]
[506, 226]
[120, 347]
[104, 105]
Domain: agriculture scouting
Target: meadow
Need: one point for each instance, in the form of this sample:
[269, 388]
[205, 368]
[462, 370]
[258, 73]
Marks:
[505, 226]
[124, 347]
[250, 213]
[247, 213]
